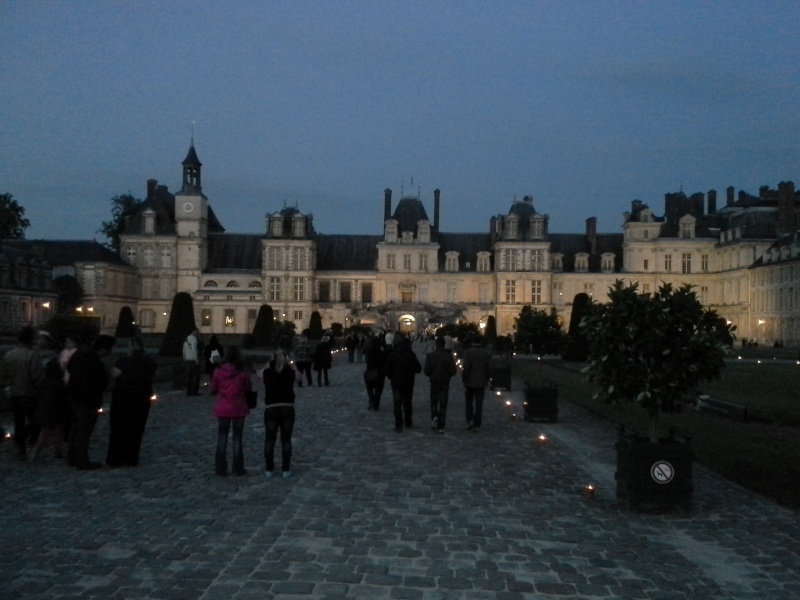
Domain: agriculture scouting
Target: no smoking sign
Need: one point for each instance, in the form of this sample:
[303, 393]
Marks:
[662, 472]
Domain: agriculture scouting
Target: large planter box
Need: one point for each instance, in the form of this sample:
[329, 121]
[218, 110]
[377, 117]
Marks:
[541, 403]
[654, 477]
[500, 377]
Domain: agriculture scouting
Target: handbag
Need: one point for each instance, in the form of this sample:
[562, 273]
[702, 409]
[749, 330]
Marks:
[252, 398]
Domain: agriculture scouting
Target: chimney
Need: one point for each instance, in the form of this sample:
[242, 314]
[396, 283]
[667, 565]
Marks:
[785, 207]
[712, 201]
[729, 200]
[151, 188]
[387, 204]
[436, 194]
[591, 234]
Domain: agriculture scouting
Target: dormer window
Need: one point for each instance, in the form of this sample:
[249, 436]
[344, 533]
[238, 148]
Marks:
[607, 263]
[484, 263]
[276, 226]
[391, 231]
[298, 226]
[557, 262]
[581, 263]
[687, 224]
[451, 262]
[424, 232]
[537, 227]
[512, 227]
[149, 221]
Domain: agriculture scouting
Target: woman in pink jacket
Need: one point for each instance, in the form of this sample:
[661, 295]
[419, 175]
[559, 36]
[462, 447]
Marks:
[230, 382]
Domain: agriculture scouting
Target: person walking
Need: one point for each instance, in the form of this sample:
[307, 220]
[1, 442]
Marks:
[191, 358]
[401, 368]
[212, 355]
[323, 359]
[51, 398]
[87, 382]
[302, 359]
[21, 372]
[375, 373]
[279, 413]
[230, 382]
[440, 368]
[475, 376]
[130, 405]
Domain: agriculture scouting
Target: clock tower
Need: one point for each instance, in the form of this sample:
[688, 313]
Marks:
[191, 223]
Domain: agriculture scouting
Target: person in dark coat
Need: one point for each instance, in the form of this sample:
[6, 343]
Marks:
[21, 371]
[475, 375]
[375, 373]
[323, 359]
[87, 382]
[279, 414]
[440, 366]
[213, 354]
[302, 360]
[52, 404]
[130, 405]
[401, 368]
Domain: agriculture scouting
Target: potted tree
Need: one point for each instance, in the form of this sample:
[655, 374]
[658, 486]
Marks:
[539, 332]
[653, 350]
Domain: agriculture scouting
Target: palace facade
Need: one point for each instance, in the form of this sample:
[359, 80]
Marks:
[741, 255]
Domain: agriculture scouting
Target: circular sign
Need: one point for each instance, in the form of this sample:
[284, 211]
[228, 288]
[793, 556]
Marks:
[662, 472]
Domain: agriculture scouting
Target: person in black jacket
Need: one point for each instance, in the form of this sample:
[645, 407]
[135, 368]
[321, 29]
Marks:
[375, 373]
[87, 381]
[440, 366]
[279, 414]
[401, 367]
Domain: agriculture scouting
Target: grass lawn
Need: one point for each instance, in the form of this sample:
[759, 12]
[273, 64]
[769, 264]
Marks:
[762, 455]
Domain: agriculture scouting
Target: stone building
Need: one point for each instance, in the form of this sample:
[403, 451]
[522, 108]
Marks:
[27, 295]
[742, 259]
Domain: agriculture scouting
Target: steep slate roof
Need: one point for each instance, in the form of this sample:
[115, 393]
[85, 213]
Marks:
[467, 245]
[570, 244]
[408, 213]
[67, 252]
[232, 252]
[162, 202]
[347, 252]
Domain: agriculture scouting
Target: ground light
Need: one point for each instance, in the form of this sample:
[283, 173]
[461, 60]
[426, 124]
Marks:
[589, 491]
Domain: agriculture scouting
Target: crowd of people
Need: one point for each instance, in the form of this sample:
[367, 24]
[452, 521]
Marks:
[56, 390]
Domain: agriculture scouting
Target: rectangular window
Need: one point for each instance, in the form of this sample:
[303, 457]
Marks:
[298, 315]
[483, 264]
[298, 259]
[324, 291]
[147, 289]
[274, 259]
[588, 289]
[452, 292]
[390, 262]
[345, 291]
[407, 262]
[646, 264]
[230, 318]
[511, 260]
[511, 291]
[423, 262]
[668, 263]
[166, 258]
[537, 260]
[252, 316]
[205, 317]
[607, 264]
[451, 264]
[274, 289]
[704, 262]
[147, 318]
[366, 293]
[483, 294]
[645, 288]
[166, 288]
[130, 253]
[686, 263]
[536, 291]
[298, 289]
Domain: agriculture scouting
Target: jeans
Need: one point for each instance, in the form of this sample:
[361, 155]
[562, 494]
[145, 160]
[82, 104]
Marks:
[278, 419]
[403, 409]
[474, 404]
[439, 395]
[192, 378]
[224, 424]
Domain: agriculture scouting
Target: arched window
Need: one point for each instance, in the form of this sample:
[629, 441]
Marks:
[210, 283]
[232, 284]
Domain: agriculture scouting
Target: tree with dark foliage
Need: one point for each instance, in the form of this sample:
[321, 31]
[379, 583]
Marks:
[12, 219]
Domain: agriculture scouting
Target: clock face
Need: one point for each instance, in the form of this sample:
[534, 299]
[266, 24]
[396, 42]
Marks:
[188, 207]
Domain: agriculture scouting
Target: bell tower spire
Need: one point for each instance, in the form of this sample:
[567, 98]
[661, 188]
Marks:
[191, 171]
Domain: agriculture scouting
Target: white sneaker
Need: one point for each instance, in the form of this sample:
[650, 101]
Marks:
[435, 423]
[287, 474]
[268, 474]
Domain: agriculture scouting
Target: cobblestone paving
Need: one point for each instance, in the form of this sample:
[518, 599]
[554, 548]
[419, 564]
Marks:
[370, 513]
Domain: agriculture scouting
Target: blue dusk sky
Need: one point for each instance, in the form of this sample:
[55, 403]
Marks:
[583, 105]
